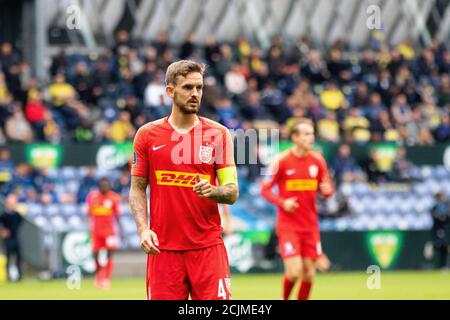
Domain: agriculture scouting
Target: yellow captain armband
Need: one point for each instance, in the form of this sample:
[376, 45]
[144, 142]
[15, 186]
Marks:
[227, 175]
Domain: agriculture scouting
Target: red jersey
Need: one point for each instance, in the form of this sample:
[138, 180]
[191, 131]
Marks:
[297, 177]
[170, 160]
[102, 208]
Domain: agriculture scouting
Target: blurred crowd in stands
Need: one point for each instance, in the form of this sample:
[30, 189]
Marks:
[34, 185]
[399, 94]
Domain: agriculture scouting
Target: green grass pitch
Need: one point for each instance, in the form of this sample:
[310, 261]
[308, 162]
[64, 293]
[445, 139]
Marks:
[346, 285]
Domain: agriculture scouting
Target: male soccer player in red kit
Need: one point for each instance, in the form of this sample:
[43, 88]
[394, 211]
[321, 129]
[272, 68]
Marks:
[103, 208]
[299, 173]
[180, 157]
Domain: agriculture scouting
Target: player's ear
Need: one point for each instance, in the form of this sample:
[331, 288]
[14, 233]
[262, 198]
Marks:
[169, 90]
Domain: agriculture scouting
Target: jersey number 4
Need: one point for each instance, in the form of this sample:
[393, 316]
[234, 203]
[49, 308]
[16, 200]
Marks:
[224, 286]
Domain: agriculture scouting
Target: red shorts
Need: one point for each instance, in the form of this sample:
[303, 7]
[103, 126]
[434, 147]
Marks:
[304, 244]
[204, 274]
[104, 241]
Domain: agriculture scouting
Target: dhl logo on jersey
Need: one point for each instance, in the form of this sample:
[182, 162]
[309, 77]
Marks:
[101, 210]
[177, 178]
[301, 185]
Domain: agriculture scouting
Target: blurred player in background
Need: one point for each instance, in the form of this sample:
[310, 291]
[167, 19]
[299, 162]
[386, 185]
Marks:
[440, 214]
[181, 156]
[10, 221]
[299, 173]
[103, 209]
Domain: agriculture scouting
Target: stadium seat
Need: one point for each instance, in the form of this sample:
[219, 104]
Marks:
[426, 171]
[34, 209]
[125, 209]
[69, 173]
[134, 242]
[440, 172]
[69, 209]
[82, 209]
[72, 186]
[75, 222]
[58, 223]
[346, 189]
[52, 210]
[342, 224]
[42, 222]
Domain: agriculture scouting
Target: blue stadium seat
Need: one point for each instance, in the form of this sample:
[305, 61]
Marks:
[327, 225]
[82, 209]
[59, 223]
[42, 222]
[69, 173]
[72, 186]
[360, 222]
[416, 172]
[426, 171]
[254, 189]
[75, 222]
[34, 209]
[134, 242]
[52, 210]
[81, 172]
[356, 205]
[69, 209]
[360, 189]
[125, 209]
[342, 224]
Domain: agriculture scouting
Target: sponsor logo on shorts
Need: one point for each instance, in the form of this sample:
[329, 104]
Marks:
[319, 248]
[177, 178]
[112, 242]
[288, 248]
[228, 284]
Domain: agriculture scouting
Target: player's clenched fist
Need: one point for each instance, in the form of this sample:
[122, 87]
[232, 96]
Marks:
[202, 187]
[290, 204]
[326, 188]
[149, 242]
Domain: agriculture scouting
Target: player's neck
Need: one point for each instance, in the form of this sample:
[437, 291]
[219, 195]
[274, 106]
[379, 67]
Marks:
[182, 122]
[299, 152]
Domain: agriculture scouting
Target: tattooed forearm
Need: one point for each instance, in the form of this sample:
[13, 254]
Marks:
[138, 202]
[226, 194]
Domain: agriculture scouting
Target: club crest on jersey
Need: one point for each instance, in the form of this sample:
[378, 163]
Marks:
[288, 248]
[205, 154]
[228, 284]
[313, 170]
[107, 203]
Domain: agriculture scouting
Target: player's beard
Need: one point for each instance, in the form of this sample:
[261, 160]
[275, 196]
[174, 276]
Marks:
[187, 107]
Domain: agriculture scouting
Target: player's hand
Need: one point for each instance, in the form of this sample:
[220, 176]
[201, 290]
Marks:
[323, 264]
[5, 233]
[290, 204]
[325, 188]
[149, 242]
[227, 229]
[202, 188]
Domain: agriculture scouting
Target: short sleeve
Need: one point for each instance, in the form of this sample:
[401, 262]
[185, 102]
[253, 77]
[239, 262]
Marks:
[140, 162]
[323, 171]
[89, 203]
[225, 154]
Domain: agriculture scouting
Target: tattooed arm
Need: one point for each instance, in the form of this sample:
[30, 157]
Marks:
[138, 205]
[226, 194]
